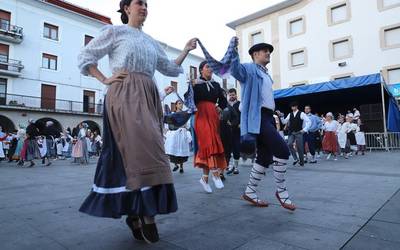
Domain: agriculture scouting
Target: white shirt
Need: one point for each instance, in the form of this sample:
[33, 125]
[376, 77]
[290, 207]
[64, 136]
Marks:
[267, 93]
[303, 116]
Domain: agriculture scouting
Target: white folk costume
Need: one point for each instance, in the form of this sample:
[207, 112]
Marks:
[131, 178]
[177, 145]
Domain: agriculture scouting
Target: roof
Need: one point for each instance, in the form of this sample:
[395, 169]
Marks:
[79, 10]
[264, 12]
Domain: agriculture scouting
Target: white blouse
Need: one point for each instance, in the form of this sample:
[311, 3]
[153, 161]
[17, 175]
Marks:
[128, 49]
[330, 126]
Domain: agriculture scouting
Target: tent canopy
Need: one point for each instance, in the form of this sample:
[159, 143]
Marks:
[351, 82]
[342, 95]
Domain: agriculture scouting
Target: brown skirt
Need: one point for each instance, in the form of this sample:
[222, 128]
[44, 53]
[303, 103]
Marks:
[135, 115]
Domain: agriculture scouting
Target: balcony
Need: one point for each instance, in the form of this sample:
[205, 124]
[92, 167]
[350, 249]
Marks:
[22, 102]
[10, 67]
[10, 33]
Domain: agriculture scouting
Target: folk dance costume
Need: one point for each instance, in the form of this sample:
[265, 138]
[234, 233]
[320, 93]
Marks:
[343, 130]
[330, 142]
[80, 151]
[131, 179]
[30, 149]
[177, 146]
[257, 105]
[360, 138]
[210, 151]
[310, 136]
[230, 134]
[298, 124]
[3, 137]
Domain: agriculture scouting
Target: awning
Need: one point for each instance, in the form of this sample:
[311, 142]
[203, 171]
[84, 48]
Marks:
[346, 83]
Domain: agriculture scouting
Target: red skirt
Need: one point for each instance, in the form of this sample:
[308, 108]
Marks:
[330, 143]
[210, 152]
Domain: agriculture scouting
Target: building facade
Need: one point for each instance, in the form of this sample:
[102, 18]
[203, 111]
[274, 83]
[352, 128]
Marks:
[39, 78]
[317, 41]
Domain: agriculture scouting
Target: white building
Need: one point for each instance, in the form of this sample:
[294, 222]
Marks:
[39, 78]
[317, 41]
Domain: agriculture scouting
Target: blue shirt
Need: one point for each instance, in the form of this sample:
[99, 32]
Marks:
[316, 122]
[251, 83]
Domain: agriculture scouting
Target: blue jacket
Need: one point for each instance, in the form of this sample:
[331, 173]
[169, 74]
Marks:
[251, 81]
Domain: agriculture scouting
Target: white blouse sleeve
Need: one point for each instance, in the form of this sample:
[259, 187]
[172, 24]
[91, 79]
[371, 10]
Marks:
[96, 49]
[164, 65]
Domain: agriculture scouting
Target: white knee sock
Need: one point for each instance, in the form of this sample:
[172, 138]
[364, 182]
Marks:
[235, 163]
[279, 176]
[256, 174]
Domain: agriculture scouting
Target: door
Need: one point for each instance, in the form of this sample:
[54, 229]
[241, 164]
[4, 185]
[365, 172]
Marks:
[48, 100]
[4, 49]
[3, 91]
[89, 101]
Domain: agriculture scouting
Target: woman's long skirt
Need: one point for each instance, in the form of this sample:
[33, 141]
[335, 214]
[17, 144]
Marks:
[133, 175]
[210, 152]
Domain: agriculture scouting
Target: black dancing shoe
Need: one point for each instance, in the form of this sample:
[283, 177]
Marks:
[295, 162]
[236, 171]
[150, 233]
[175, 168]
[136, 232]
[222, 176]
[230, 171]
[181, 171]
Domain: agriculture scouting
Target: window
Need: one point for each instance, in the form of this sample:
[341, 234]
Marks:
[5, 17]
[175, 85]
[298, 84]
[388, 4]
[3, 91]
[49, 61]
[296, 26]
[339, 13]
[256, 37]
[193, 73]
[390, 36]
[88, 39]
[341, 48]
[342, 76]
[393, 76]
[297, 58]
[50, 32]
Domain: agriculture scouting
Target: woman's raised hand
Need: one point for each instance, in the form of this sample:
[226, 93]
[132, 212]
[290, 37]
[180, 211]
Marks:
[168, 90]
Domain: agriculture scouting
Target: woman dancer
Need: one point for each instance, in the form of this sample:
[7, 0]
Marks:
[177, 143]
[210, 155]
[330, 142]
[132, 179]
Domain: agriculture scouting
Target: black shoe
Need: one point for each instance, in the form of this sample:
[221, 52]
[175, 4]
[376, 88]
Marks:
[222, 176]
[181, 170]
[295, 162]
[48, 164]
[20, 163]
[136, 232]
[230, 171]
[32, 164]
[175, 168]
[150, 233]
[43, 161]
[236, 171]
[302, 164]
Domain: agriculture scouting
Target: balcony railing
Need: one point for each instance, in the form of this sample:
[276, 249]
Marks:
[48, 104]
[11, 33]
[10, 67]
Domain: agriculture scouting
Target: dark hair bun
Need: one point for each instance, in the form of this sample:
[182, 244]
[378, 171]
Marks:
[124, 17]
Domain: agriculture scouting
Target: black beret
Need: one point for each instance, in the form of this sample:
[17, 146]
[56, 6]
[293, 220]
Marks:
[260, 46]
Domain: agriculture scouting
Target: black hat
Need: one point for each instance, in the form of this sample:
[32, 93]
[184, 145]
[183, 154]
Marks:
[261, 46]
[294, 103]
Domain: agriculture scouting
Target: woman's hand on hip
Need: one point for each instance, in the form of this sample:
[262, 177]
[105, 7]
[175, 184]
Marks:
[117, 77]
